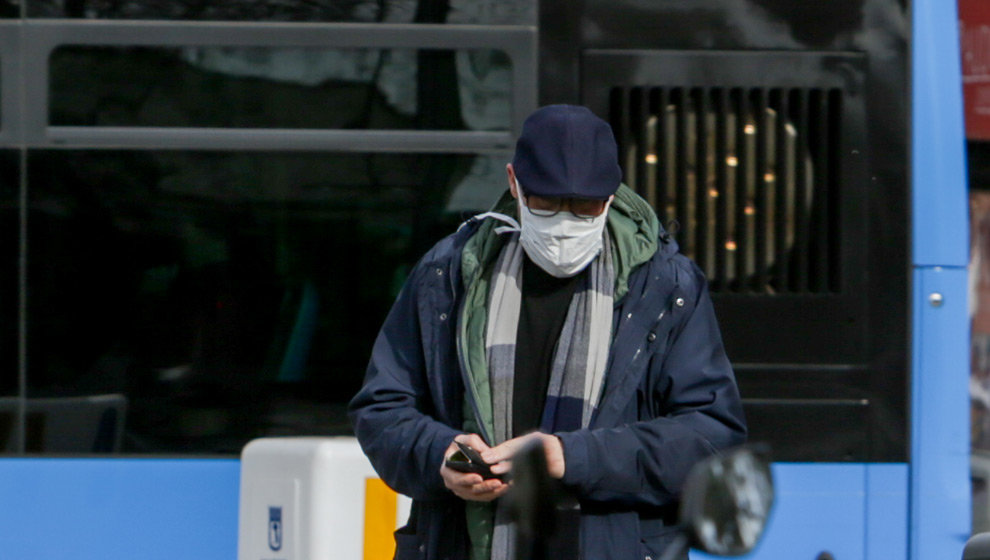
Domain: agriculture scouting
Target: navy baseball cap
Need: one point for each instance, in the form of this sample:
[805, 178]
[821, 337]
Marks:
[567, 151]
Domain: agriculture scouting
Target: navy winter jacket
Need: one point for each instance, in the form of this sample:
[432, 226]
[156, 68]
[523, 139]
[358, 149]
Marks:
[670, 400]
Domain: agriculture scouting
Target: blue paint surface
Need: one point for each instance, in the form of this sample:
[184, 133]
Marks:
[122, 509]
[886, 511]
[939, 471]
[940, 489]
[119, 509]
[940, 210]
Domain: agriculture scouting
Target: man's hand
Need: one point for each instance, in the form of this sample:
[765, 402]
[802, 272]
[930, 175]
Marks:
[470, 486]
[500, 456]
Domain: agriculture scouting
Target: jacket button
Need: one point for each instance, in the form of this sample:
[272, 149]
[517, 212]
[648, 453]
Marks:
[679, 302]
[443, 316]
[652, 337]
[439, 272]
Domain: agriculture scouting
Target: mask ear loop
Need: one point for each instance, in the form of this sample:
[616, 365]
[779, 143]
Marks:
[512, 226]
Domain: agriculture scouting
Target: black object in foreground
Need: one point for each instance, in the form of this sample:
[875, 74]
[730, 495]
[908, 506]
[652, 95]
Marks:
[724, 506]
[726, 502]
[533, 502]
[977, 547]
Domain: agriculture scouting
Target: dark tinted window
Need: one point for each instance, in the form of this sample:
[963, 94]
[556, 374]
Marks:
[268, 87]
[227, 295]
[9, 241]
[189, 291]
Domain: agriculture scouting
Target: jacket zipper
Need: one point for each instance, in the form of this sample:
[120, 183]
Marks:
[458, 340]
[465, 378]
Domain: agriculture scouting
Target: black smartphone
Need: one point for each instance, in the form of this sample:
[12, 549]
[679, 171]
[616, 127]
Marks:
[468, 460]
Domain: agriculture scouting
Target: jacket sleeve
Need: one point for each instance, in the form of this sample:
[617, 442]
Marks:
[392, 413]
[698, 412]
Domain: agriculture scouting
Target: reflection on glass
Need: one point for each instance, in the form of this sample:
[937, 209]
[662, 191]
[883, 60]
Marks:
[497, 12]
[267, 87]
[233, 10]
[227, 295]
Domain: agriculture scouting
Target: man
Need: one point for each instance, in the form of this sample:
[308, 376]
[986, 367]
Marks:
[566, 315]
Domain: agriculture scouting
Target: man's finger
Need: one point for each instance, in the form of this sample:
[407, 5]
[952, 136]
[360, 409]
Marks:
[501, 467]
[482, 488]
[501, 452]
[466, 480]
[454, 478]
[473, 440]
[491, 485]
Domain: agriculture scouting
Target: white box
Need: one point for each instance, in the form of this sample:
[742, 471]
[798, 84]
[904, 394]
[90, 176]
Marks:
[303, 498]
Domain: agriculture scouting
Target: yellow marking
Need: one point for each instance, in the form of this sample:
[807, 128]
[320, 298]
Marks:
[380, 507]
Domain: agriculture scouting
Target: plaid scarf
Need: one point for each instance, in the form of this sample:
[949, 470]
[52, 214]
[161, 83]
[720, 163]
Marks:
[578, 368]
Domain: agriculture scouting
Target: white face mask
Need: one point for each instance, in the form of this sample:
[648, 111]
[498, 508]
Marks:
[562, 244]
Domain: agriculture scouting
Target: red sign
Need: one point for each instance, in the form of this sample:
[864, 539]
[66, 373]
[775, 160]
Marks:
[974, 34]
[979, 307]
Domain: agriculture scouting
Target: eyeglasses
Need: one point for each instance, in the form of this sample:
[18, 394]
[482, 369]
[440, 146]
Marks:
[586, 209]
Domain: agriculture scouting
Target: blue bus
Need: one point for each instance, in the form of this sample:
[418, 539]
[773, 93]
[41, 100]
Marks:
[207, 209]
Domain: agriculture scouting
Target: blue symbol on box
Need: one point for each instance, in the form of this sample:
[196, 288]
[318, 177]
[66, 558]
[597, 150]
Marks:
[275, 528]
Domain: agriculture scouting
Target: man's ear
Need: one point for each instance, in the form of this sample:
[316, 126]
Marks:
[512, 180]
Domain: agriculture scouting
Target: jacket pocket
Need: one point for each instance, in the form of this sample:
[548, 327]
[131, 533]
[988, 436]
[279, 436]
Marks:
[655, 540]
[409, 545]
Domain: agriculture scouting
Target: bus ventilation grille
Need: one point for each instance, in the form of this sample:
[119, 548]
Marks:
[748, 175]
